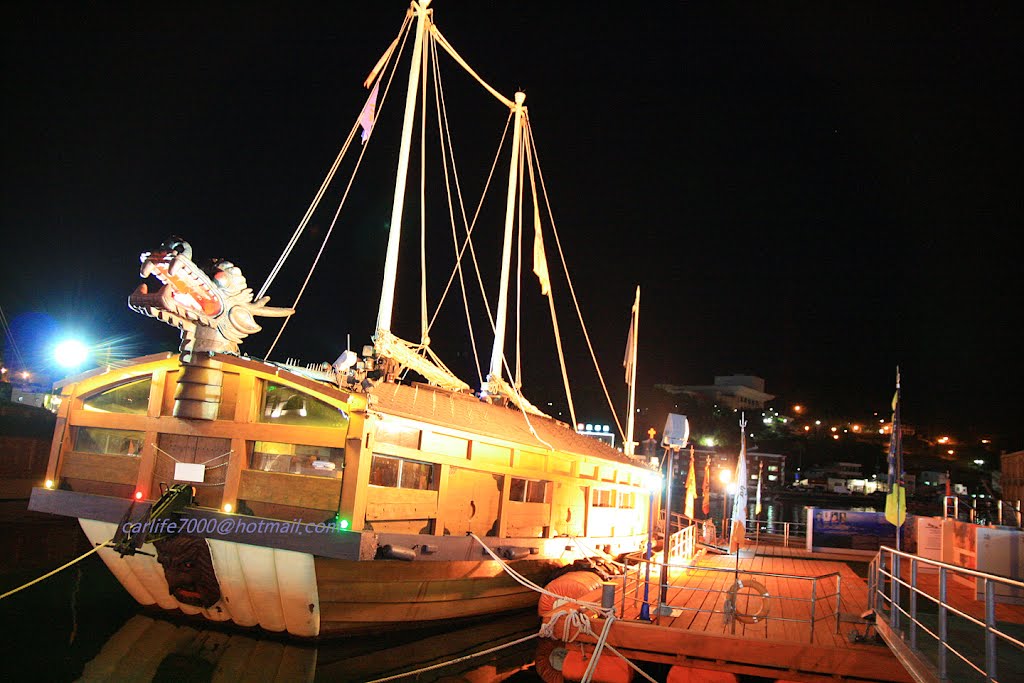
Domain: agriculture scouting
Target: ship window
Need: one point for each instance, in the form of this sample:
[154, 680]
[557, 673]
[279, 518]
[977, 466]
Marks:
[627, 499]
[397, 435]
[603, 498]
[317, 461]
[112, 441]
[287, 406]
[131, 397]
[528, 491]
[401, 473]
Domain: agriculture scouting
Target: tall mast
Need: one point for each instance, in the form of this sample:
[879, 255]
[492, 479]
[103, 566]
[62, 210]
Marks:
[506, 252]
[387, 294]
[630, 445]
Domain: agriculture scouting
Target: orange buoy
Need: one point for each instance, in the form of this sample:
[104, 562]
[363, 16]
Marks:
[610, 668]
[569, 585]
[685, 674]
[547, 661]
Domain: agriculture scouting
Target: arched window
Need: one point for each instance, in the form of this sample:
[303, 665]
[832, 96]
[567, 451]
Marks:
[131, 398]
[288, 406]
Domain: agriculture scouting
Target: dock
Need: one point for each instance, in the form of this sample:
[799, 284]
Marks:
[770, 615]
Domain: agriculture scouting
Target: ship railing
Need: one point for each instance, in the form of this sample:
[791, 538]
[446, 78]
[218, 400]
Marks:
[782, 534]
[933, 639]
[734, 602]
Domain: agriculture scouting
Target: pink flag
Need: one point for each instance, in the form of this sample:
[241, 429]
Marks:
[369, 114]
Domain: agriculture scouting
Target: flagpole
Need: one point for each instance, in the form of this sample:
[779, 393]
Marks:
[501, 315]
[630, 445]
[387, 295]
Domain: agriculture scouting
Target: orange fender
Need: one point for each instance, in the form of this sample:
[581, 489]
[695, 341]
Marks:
[610, 667]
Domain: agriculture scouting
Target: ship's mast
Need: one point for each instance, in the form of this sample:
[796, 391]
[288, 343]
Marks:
[506, 253]
[387, 295]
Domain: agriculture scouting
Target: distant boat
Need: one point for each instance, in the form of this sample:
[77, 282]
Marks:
[334, 498]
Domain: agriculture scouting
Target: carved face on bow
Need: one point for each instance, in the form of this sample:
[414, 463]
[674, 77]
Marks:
[188, 568]
[211, 305]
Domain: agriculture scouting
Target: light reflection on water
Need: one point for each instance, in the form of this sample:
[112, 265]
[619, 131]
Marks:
[81, 625]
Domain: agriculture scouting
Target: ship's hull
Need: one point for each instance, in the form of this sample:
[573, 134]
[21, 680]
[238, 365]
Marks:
[310, 596]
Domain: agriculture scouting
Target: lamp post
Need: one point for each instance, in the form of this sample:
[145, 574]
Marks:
[725, 476]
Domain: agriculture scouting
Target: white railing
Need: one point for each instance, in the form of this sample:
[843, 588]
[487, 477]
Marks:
[904, 617]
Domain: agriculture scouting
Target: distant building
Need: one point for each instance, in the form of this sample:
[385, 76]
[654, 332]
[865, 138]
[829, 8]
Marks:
[739, 392]
[1012, 476]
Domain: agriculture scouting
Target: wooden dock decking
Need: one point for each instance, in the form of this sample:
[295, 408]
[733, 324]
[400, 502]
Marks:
[694, 628]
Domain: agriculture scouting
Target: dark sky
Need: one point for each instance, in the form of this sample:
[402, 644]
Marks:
[811, 193]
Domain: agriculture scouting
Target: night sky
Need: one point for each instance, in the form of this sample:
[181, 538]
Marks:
[810, 193]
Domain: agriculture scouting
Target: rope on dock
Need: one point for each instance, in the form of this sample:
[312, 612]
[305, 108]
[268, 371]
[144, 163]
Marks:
[58, 569]
[456, 660]
[574, 618]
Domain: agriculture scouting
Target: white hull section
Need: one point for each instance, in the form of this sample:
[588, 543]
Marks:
[266, 587]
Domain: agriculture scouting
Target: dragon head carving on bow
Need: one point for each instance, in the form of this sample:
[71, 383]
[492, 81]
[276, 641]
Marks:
[211, 305]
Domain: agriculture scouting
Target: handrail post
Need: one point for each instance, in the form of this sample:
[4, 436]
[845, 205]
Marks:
[785, 535]
[913, 603]
[990, 624]
[839, 598]
[894, 593]
[814, 601]
[943, 632]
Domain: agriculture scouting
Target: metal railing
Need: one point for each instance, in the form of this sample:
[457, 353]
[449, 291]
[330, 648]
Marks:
[905, 613]
[783, 534]
[636, 591]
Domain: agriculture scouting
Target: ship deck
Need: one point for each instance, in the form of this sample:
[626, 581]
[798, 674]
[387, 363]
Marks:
[798, 637]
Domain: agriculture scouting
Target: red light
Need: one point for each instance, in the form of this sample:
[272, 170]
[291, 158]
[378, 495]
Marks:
[138, 495]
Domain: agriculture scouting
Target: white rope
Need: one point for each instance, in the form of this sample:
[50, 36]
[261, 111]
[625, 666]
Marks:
[323, 187]
[572, 290]
[551, 294]
[454, 661]
[344, 196]
[523, 581]
[184, 462]
[58, 569]
[443, 42]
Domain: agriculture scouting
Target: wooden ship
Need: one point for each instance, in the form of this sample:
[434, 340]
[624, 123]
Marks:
[341, 497]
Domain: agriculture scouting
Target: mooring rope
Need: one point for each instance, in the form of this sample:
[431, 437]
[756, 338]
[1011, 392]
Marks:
[456, 660]
[58, 569]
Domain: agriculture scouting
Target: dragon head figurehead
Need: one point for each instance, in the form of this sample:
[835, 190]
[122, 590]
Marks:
[211, 305]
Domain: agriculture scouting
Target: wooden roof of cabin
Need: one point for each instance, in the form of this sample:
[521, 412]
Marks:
[467, 413]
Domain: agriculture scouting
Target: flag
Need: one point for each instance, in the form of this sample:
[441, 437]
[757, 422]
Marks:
[691, 488]
[896, 499]
[739, 505]
[706, 490]
[369, 114]
[760, 474]
[540, 260]
[627, 361]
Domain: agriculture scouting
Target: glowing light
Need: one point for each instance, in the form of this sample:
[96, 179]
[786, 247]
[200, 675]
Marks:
[943, 439]
[834, 429]
[807, 428]
[817, 423]
[976, 462]
[798, 409]
[70, 353]
[725, 476]
[836, 437]
[228, 507]
[138, 495]
[343, 524]
[49, 483]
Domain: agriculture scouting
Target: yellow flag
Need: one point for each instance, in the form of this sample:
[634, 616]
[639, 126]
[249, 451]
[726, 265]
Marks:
[540, 260]
[896, 506]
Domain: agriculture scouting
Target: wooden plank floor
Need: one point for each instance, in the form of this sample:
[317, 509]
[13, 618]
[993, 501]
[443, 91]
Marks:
[693, 628]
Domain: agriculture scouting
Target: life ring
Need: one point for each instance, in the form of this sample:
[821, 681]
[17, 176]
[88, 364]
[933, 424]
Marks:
[757, 589]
